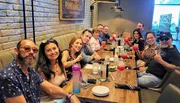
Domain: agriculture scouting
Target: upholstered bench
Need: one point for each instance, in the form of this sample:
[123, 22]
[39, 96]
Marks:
[63, 40]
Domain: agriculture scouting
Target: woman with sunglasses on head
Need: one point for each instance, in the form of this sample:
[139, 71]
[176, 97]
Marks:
[49, 63]
[72, 55]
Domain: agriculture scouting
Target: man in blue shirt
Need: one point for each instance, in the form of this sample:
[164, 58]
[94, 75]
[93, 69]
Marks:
[104, 36]
[20, 83]
[141, 27]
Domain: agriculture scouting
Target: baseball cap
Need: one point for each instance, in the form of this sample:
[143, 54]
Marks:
[165, 36]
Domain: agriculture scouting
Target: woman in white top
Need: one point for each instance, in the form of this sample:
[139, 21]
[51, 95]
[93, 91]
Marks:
[94, 43]
[49, 64]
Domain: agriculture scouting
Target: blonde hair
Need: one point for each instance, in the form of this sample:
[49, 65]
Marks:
[95, 30]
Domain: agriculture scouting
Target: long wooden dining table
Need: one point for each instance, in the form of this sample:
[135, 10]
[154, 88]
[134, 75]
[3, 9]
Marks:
[116, 95]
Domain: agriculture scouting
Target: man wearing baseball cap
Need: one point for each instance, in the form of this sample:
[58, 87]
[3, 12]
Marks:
[166, 60]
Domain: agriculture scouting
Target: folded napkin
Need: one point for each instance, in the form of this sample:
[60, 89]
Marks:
[124, 86]
[131, 68]
[109, 49]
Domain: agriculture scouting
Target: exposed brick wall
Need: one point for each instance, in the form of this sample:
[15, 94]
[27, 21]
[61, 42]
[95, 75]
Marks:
[47, 23]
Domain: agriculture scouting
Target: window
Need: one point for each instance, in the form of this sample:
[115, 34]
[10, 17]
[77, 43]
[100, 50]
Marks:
[166, 16]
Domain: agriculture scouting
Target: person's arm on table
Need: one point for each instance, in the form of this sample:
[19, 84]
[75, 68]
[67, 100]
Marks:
[95, 56]
[57, 92]
[18, 99]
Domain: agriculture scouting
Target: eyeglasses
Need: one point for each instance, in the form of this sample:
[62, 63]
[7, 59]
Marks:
[164, 38]
[28, 49]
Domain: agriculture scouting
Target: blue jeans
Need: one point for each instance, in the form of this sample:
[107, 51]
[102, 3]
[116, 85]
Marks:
[148, 80]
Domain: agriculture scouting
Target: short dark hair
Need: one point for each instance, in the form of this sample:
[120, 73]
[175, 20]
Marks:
[141, 23]
[86, 30]
[150, 32]
[18, 44]
[105, 26]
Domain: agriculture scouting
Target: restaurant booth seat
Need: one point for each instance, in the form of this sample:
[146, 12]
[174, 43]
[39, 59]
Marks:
[151, 95]
[64, 40]
[7, 56]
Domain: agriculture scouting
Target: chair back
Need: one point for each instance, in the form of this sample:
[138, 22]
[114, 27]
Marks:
[171, 94]
[169, 78]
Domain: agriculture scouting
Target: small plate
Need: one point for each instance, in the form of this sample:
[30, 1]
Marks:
[111, 59]
[100, 90]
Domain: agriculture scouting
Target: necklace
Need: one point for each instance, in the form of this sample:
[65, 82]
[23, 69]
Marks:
[55, 67]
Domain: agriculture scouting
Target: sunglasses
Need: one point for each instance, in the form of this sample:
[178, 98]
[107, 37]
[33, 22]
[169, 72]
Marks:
[28, 49]
[49, 40]
[164, 38]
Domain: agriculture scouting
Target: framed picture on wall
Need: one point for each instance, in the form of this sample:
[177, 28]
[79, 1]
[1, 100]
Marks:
[72, 9]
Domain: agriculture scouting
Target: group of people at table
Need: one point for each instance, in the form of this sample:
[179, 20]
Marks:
[21, 83]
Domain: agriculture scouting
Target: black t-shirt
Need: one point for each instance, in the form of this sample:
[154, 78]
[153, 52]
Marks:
[140, 45]
[170, 55]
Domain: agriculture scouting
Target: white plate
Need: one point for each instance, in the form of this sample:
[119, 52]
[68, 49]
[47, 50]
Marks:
[111, 59]
[100, 90]
[88, 66]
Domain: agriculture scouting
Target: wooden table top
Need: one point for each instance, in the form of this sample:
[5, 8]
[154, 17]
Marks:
[115, 95]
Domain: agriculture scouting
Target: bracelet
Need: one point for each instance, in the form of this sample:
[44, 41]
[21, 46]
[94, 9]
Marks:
[70, 96]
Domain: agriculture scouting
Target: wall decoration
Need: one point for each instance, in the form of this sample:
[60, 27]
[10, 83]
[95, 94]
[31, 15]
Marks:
[72, 9]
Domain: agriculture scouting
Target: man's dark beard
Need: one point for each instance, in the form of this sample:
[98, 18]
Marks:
[22, 60]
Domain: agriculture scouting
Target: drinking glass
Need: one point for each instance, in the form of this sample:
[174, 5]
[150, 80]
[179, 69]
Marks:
[102, 72]
[95, 68]
[107, 59]
[121, 67]
[124, 55]
[135, 47]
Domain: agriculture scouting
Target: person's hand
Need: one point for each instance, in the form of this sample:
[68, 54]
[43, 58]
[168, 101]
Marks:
[127, 39]
[135, 47]
[158, 57]
[96, 57]
[79, 58]
[140, 63]
[74, 99]
[103, 43]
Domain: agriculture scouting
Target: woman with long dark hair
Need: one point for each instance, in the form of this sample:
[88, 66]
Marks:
[137, 39]
[49, 63]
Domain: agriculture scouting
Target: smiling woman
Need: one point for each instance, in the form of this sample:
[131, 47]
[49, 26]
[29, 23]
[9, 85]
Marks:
[72, 55]
[49, 63]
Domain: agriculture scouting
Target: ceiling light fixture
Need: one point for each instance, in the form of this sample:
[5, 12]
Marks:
[117, 6]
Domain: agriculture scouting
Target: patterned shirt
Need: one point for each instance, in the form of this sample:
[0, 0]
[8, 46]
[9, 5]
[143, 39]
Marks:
[149, 53]
[13, 82]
